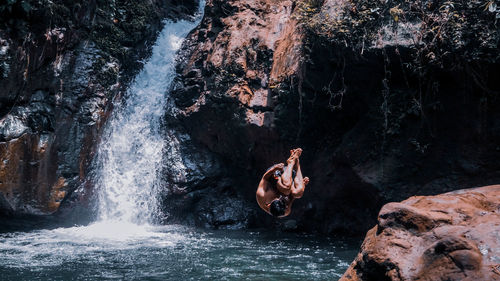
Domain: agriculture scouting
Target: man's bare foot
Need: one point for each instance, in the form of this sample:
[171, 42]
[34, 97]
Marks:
[306, 180]
[297, 152]
[294, 155]
[294, 158]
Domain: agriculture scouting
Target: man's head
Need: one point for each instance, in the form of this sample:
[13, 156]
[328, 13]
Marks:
[277, 208]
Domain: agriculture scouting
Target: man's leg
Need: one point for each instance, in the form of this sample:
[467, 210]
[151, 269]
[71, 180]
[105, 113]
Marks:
[299, 183]
[286, 177]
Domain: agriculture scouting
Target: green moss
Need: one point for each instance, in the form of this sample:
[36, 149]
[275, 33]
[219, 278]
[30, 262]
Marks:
[105, 71]
[466, 28]
[121, 24]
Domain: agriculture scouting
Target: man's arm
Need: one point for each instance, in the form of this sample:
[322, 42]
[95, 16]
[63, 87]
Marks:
[261, 195]
[261, 189]
[269, 173]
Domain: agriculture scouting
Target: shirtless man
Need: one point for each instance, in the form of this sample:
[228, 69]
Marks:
[281, 185]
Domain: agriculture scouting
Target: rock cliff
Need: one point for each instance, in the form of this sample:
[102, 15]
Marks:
[61, 65]
[387, 99]
[452, 236]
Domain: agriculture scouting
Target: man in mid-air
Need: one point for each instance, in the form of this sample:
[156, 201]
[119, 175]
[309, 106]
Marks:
[281, 185]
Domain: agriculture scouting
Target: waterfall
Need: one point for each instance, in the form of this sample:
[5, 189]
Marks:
[129, 157]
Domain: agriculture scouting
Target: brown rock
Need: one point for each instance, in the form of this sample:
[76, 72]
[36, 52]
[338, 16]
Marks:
[452, 236]
[27, 175]
[248, 45]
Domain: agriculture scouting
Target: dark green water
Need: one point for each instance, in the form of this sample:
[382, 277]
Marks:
[120, 251]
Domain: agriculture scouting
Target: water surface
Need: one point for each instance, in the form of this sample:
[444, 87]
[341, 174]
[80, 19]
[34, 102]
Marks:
[121, 251]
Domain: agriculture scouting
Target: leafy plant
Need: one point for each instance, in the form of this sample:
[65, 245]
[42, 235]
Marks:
[459, 26]
[11, 4]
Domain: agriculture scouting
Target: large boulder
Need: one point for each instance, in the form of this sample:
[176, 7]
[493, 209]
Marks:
[452, 236]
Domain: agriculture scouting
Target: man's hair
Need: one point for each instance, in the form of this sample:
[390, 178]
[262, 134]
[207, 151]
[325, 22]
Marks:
[277, 208]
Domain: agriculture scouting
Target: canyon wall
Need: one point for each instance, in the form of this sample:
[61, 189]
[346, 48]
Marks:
[387, 100]
[62, 63]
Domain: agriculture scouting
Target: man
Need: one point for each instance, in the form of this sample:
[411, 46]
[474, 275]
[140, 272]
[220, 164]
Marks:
[281, 185]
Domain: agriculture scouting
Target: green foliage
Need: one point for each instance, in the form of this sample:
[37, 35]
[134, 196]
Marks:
[121, 24]
[11, 4]
[21, 17]
[455, 37]
[306, 9]
[26, 6]
[468, 28]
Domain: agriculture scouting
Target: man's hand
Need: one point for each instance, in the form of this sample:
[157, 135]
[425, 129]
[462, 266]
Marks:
[271, 170]
[278, 166]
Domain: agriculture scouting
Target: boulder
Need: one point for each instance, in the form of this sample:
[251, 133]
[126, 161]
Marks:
[451, 236]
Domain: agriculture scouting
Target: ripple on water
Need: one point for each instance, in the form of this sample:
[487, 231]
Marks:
[117, 250]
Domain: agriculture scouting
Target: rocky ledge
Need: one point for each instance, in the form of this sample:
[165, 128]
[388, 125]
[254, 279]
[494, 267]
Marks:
[452, 236]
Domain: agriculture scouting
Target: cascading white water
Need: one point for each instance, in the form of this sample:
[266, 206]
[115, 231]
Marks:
[129, 157]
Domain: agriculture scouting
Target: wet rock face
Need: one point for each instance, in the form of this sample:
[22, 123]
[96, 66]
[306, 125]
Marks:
[224, 104]
[452, 236]
[61, 65]
[379, 119]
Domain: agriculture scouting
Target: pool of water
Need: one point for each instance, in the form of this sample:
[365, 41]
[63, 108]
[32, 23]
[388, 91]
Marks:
[123, 251]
